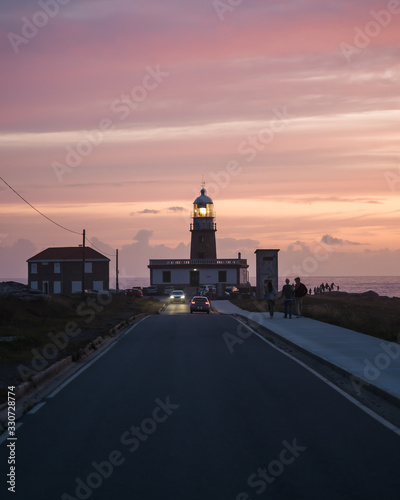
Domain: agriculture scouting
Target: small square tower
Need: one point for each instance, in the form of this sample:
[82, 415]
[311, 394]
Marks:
[266, 270]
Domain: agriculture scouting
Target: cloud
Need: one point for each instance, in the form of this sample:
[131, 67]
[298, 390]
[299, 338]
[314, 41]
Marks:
[14, 257]
[237, 244]
[323, 199]
[193, 123]
[176, 209]
[146, 211]
[143, 236]
[330, 240]
[303, 246]
[150, 211]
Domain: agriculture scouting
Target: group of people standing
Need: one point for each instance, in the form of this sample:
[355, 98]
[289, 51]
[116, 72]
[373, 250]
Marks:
[290, 292]
[325, 287]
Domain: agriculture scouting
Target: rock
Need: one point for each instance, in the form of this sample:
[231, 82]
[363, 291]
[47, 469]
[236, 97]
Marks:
[19, 290]
[370, 293]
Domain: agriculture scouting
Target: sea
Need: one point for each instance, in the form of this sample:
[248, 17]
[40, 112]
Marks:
[387, 286]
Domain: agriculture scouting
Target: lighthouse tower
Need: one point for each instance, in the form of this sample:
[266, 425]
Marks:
[203, 228]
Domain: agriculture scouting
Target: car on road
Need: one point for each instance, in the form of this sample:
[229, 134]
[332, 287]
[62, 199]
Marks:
[134, 292]
[177, 296]
[231, 291]
[200, 304]
[168, 290]
[150, 290]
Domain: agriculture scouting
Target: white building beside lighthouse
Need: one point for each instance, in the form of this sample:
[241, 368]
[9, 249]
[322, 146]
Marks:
[203, 267]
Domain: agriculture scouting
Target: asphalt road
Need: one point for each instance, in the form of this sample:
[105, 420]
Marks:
[189, 407]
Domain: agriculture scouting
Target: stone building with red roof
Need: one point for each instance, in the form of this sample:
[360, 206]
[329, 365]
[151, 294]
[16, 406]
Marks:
[60, 270]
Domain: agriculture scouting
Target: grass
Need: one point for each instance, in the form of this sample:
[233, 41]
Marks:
[35, 323]
[366, 313]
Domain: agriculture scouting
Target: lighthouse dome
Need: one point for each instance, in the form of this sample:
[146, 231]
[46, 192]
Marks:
[203, 199]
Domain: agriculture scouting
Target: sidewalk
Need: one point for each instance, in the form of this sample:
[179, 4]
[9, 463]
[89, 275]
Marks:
[375, 361]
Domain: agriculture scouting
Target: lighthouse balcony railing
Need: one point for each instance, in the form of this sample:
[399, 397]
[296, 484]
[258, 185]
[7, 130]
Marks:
[197, 262]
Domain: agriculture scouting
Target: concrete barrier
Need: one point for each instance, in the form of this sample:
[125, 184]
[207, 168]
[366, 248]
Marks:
[51, 370]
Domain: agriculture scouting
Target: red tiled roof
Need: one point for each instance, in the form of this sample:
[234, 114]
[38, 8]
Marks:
[67, 253]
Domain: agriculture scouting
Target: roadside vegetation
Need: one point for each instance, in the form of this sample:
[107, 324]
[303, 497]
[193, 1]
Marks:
[366, 313]
[27, 325]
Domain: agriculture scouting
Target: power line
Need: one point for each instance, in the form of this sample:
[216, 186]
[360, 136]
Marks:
[51, 220]
[93, 245]
[38, 211]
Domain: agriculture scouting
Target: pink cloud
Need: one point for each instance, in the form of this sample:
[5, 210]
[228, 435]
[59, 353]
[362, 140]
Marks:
[341, 140]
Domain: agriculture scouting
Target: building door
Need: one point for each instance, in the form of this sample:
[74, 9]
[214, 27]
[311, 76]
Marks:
[45, 287]
[194, 278]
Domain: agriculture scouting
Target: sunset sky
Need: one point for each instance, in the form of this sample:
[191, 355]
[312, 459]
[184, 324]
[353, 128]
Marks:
[113, 113]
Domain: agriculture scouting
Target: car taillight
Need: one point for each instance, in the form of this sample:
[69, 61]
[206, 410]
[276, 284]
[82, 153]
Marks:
[207, 303]
[193, 302]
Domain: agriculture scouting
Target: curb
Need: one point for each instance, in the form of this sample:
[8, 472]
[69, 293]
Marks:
[373, 388]
[162, 308]
[37, 381]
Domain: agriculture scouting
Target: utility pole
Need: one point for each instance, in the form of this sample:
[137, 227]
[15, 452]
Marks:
[116, 272]
[83, 264]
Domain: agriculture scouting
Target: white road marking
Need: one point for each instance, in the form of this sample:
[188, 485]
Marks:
[88, 365]
[36, 408]
[367, 410]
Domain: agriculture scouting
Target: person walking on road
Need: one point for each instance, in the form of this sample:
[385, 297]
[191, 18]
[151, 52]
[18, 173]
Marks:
[270, 297]
[300, 290]
[287, 294]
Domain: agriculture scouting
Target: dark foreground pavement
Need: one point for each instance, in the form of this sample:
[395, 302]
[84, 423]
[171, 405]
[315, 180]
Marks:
[179, 410]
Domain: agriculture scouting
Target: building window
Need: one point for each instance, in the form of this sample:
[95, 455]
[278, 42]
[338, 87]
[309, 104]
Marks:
[33, 268]
[98, 285]
[57, 287]
[88, 267]
[166, 276]
[222, 277]
[57, 267]
[34, 285]
[76, 286]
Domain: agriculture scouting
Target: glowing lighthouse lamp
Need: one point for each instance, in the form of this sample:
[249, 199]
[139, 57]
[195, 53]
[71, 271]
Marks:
[203, 228]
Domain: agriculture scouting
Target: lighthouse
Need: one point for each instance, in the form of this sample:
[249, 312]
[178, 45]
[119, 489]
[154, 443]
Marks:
[203, 228]
[203, 267]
